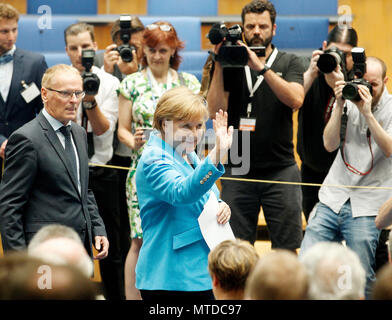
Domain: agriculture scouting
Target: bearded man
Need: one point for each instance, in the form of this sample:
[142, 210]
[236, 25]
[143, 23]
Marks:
[260, 99]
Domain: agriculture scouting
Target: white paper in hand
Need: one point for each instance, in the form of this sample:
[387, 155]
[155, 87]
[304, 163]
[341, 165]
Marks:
[213, 232]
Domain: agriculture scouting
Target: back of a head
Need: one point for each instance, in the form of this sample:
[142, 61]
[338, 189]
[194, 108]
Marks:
[277, 276]
[231, 262]
[27, 278]
[382, 289]
[335, 272]
[53, 231]
[64, 251]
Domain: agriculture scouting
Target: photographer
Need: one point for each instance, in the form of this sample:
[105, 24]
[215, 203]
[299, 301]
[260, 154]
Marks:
[316, 110]
[111, 60]
[267, 113]
[364, 136]
[98, 114]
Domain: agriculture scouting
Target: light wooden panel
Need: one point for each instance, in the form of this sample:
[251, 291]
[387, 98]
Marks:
[138, 7]
[231, 7]
[373, 24]
[102, 35]
[20, 5]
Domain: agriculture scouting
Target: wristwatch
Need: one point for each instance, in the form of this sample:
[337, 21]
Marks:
[266, 68]
[89, 105]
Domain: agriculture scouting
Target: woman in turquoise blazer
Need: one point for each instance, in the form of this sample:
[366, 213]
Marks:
[173, 185]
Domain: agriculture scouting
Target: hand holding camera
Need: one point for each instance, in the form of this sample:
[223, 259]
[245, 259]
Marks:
[230, 53]
[90, 80]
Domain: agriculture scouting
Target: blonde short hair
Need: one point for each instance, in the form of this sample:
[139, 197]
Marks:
[179, 104]
[231, 262]
[47, 79]
[278, 275]
[8, 12]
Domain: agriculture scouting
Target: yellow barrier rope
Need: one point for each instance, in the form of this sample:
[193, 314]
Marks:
[266, 181]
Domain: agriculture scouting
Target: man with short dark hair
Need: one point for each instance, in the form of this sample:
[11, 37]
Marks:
[19, 69]
[260, 99]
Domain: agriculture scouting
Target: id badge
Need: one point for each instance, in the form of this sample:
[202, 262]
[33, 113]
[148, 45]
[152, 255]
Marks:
[30, 92]
[247, 124]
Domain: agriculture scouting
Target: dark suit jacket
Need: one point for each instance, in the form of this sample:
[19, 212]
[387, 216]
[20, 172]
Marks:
[38, 189]
[15, 112]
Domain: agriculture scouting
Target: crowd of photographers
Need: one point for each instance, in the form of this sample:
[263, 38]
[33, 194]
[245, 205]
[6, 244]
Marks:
[344, 132]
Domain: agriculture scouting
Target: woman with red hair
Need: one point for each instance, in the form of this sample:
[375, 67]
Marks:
[138, 96]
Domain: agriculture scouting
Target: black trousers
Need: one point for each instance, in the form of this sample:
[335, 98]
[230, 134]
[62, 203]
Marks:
[103, 183]
[281, 206]
[176, 296]
[125, 231]
[310, 194]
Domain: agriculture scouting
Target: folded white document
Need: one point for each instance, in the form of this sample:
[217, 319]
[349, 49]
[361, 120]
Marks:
[213, 232]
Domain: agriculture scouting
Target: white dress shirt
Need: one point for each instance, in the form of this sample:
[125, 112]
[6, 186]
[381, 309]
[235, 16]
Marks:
[56, 125]
[6, 71]
[107, 102]
[364, 202]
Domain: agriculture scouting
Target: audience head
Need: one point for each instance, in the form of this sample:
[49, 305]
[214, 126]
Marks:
[64, 251]
[335, 272]
[9, 18]
[51, 231]
[180, 117]
[229, 264]
[27, 278]
[79, 36]
[161, 45]
[277, 276]
[61, 92]
[382, 288]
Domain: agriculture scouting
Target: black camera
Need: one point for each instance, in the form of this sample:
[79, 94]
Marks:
[330, 59]
[90, 80]
[230, 53]
[350, 90]
[125, 49]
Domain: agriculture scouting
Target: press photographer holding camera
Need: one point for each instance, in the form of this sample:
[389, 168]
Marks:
[98, 113]
[361, 129]
[328, 65]
[123, 56]
[260, 98]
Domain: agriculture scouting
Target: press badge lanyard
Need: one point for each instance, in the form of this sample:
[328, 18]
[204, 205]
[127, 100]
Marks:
[155, 86]
[259, 80]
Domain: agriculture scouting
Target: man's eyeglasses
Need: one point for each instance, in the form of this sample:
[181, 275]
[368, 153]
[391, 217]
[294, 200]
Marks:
[68, 94]
[163, 27]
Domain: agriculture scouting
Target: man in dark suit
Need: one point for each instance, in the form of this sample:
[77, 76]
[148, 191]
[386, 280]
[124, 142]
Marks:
[19, 70]
[46, 170]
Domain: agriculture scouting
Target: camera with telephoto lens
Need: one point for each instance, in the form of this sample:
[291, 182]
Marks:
[230, 53]
[90, 80]
[350, 90]
[125, 50]
[330, 59]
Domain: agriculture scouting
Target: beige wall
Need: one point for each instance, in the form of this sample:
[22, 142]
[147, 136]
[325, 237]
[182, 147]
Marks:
[372, 20]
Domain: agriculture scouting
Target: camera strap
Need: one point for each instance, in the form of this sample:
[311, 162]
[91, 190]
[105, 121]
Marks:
[343, 129]
[328, 108]
[259, 80]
